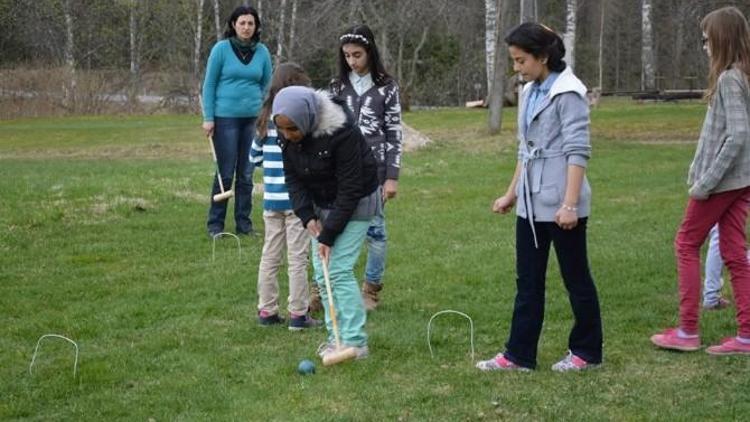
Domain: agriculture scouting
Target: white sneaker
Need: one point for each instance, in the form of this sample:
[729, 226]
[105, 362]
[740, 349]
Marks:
[326, 348]
[572, 362]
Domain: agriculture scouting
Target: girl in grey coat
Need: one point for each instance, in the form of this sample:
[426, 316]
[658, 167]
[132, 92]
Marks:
[553, 201]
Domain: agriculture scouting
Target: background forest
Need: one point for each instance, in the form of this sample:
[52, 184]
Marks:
[96, 56]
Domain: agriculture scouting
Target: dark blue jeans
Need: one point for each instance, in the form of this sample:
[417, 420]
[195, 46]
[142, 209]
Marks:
[232, 139]
[585, 338]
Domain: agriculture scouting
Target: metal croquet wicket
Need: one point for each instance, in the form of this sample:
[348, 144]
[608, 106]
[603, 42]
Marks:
[450, 311]
[218, 235]
[36, 349]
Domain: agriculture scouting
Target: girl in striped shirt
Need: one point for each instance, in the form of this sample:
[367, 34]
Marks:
[283, 229]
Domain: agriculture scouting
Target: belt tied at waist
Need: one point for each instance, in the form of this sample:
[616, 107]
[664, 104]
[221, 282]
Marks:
[528, 156]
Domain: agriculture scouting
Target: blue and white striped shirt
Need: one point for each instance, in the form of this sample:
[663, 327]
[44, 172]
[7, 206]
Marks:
[266, 153]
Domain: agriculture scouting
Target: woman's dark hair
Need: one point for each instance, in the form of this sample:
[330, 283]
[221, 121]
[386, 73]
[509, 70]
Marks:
[286, 74]
[242, 11]
[362, 36]
[539, 41]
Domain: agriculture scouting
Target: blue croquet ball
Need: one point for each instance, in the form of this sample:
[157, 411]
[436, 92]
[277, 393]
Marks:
[306, 367]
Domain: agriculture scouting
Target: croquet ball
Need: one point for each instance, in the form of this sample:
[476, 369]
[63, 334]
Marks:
[306, 367]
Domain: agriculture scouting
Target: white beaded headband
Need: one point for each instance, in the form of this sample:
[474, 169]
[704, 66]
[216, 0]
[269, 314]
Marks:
[351, 37]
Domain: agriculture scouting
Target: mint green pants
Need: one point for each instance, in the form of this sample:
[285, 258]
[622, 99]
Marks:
[350, 311]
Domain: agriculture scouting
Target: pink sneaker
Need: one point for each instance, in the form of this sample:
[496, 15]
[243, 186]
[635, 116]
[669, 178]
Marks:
[668, 339]
[729, 346]
[499, 363]
[572, 362]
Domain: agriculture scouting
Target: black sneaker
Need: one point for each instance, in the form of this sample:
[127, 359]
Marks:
[298, 323]
[273, 319]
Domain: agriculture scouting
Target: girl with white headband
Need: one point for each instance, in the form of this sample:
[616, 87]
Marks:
[372, 95]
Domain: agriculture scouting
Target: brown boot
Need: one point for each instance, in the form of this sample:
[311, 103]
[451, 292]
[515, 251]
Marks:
[316, 305]
[370, 294]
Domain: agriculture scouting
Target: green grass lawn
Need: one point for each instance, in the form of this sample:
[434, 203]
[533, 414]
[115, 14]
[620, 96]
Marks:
[102, 239]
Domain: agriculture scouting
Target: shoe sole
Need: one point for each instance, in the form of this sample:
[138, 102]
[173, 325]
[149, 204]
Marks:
[657, 343]
[503, 369]
[730, 353]
[589, 367]
[304, 328]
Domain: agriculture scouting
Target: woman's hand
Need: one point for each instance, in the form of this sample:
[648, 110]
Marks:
[325, 252]
[390, 188]
[313, 227]
[566, 217]
[504, 204]
[208, 128]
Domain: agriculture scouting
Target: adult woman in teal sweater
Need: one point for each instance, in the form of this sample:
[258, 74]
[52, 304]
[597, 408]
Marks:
[237, 77]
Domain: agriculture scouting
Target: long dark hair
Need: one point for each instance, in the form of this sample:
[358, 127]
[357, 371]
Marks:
[241, 11]
[362, 36]
[541, 42]
[729, 41]
[286, 74]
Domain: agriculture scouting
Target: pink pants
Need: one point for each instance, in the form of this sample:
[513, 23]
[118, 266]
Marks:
[729, 209]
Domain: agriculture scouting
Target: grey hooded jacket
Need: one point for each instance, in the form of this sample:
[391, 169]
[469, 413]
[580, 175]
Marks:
[557, 137]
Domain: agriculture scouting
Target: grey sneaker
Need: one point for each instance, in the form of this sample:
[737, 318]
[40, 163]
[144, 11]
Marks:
[572, 362]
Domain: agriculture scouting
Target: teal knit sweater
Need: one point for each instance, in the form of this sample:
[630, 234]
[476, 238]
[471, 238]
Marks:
[233, 89]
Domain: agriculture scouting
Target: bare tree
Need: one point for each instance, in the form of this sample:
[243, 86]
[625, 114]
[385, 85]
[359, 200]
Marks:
[198, 41]
[292, 29]
[648, 62]
[497, 93]
[135, 54]
[603, 6]
[217, 19]
[528, 11]
[490, 40]
[280, 32]
[569, 37]
[70, 62]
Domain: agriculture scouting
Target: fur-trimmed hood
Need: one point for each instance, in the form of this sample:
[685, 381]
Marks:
[331, 116]
[314, 113]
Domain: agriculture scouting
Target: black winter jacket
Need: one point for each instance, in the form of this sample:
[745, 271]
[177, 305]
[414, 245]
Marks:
[331, 168]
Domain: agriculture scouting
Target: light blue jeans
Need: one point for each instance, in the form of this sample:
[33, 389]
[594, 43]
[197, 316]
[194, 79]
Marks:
[713, 282]
[350, 310]
[377, 239]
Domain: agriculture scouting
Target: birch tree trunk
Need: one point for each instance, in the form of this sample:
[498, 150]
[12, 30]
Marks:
[135, 59]
[70, 63]
[217, 19]
[569, 37]
[601, 45]
[280, 32]
[497, 93]
[648, 65]
[490, 43]
[528, 12]
[198, 41]
[292, 26]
